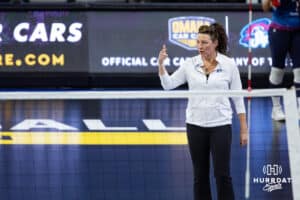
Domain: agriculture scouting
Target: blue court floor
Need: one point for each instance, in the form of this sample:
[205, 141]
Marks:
[78, 169]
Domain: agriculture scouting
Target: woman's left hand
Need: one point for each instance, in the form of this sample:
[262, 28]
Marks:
[243, 137]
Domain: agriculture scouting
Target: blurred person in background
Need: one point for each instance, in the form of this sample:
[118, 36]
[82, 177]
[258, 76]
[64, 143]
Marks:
[284, 39]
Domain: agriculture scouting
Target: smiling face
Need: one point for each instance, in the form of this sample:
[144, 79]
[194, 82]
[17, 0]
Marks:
[206, 46]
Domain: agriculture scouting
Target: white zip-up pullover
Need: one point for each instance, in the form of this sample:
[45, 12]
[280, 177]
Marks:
[208, 111]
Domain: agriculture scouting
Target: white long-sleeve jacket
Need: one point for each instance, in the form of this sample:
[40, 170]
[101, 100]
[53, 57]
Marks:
[208, 111]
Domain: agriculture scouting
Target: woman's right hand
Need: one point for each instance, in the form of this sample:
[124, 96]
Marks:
[162, 55]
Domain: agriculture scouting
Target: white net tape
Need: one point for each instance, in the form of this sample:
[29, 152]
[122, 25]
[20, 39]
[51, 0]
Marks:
[152, 94]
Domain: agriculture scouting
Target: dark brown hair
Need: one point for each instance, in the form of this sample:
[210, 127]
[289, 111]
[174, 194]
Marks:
[216, 32]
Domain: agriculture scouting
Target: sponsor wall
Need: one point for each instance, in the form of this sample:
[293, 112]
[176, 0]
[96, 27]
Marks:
[121, 42]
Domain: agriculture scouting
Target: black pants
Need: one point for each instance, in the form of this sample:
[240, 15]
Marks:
[283, 42]
[217, 141]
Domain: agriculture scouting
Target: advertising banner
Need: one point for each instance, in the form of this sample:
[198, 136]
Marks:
[43, 41]
[129, 42]
[122, 42]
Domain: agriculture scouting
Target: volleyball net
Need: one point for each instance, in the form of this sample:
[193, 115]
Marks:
[123, 106]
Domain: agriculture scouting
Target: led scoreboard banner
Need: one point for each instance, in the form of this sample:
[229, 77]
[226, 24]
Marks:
[110, 42]
[131, 45]
[43, 41]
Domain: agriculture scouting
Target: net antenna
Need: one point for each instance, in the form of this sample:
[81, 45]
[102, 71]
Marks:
[247, 172]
